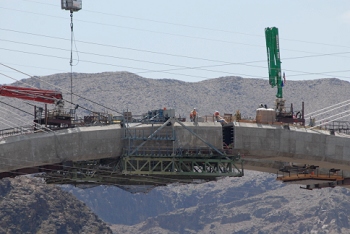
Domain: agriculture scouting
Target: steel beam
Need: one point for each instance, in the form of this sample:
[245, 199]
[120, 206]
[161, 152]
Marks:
[172, 166]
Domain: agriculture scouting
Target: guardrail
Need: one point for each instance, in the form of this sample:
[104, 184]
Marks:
[337, 126]
[16, 131]
[21, 130]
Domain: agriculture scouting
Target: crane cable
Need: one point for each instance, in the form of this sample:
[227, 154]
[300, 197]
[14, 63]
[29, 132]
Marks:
[71, 57]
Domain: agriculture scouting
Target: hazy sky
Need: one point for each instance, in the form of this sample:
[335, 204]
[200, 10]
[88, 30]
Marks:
[184, 40]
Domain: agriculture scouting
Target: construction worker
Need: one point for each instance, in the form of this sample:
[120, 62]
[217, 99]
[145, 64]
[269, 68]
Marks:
[218, 118]
[193, 115]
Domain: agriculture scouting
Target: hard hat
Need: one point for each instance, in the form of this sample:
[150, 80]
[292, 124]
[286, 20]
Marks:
[194, 108]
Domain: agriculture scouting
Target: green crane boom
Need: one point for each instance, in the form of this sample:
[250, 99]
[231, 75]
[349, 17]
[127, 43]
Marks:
[274, 61]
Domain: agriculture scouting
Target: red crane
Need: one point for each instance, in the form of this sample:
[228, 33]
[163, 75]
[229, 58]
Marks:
[33, 94]
[56, 118]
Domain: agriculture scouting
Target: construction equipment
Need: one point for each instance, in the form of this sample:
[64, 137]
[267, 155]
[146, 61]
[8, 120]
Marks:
[56, 118]
[312, 177]
[71, 5]
[274, 60]
[275, 79]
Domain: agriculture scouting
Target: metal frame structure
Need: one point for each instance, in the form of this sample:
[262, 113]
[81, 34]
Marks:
[198, 167]
[338, 126]
[170, 160]
[150, 165]
[100, 172]
[311, 173]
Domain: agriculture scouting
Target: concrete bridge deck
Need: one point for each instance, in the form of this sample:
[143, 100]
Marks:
[88, 143]
[264, 147]
[270, 146]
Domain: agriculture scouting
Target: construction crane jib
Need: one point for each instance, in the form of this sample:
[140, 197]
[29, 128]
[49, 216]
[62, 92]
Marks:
[274, 59]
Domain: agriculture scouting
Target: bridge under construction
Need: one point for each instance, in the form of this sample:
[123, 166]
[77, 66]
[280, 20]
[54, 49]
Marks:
[156, 154]
[159, 148]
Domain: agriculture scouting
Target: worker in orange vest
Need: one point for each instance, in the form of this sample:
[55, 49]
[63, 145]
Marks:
[193, 115]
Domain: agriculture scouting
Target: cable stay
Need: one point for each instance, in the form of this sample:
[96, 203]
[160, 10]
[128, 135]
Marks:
[312, 113]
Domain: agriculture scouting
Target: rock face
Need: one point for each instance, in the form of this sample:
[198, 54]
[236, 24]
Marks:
[272, 212]
[28, 205]
[255, 203]
[136, 208]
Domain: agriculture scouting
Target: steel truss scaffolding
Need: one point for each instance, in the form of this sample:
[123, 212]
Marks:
[182, 166]
[151, 157]
[163, 156]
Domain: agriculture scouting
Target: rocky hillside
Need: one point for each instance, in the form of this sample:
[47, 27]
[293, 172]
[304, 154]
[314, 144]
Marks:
[118, 91]
[28, 205]
[255, 203]
[281, 211]
[136, 208]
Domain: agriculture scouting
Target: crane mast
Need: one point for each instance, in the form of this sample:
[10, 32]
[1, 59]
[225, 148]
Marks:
[275, 79]
[274, 62]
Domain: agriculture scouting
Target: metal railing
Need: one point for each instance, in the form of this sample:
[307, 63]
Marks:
[22, 130]
[337, 126]
[16, 131]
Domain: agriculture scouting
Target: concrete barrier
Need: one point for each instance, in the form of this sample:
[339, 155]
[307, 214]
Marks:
[87, 143]
[299, 145]
[75, 144]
